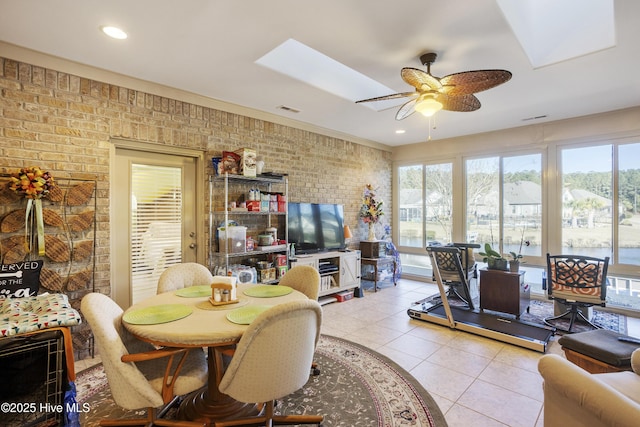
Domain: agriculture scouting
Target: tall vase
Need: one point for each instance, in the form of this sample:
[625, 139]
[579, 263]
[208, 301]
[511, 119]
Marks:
[372, 234]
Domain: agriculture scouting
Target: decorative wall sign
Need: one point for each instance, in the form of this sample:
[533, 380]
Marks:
[66, 233]
[20, 280]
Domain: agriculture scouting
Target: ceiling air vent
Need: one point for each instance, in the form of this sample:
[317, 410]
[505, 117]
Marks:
[289, 109]
[534, 118]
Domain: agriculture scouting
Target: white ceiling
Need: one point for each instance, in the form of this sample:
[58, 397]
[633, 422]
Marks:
[210, 48]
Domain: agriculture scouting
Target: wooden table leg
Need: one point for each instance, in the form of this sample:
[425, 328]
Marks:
[209, 404]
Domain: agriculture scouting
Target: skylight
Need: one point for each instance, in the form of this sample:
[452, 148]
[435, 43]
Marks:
[309, 66]
[552, 31]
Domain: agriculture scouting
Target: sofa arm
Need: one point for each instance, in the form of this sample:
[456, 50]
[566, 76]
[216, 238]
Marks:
[572, 396]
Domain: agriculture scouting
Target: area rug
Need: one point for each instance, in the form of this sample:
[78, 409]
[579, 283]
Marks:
[357, 387]
[539, 310]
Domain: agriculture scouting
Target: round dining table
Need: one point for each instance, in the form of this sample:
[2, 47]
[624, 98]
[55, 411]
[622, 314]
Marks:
[201, 324]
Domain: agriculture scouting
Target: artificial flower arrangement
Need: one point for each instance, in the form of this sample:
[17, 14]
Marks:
[371, 209]
[32, 183]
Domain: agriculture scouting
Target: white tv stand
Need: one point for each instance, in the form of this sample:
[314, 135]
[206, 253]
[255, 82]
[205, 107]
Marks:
[339, 271]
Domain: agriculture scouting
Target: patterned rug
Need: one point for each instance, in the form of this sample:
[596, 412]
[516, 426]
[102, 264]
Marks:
[357, 387]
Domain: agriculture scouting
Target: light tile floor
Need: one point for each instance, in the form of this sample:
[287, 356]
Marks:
[475, 380]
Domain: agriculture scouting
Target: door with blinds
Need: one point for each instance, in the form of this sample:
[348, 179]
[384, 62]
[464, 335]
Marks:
[154, 220]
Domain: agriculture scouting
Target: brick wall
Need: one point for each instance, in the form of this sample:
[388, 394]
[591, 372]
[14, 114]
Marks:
[63, 123]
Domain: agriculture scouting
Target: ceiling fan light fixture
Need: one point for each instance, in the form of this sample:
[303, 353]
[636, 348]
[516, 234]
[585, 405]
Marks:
[428, 106]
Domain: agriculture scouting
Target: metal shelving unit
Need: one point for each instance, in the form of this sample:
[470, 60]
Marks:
[220, 213]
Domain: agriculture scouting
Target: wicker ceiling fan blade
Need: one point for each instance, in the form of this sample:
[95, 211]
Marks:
[454, 92]
[407, 109]
[461, 103]
[468, 82]
[386, 97]
[421, 80]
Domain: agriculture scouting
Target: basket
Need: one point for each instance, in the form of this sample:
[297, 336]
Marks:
[13, 221]
[80, 194]
[82, 221]
[50, 280]
[56, 249]
[82, 250]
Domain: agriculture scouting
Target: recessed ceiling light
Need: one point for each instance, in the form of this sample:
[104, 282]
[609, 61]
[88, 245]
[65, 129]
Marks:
[399, 131]
[114, 32]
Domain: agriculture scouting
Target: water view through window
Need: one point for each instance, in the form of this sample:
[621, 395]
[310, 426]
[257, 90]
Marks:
[594, 192]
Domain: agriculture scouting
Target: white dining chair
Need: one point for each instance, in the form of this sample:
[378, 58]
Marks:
[139, 374]
[303, 278]
[272, 361]
[183, 275]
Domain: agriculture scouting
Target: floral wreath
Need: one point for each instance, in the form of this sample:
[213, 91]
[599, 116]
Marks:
[32, 184]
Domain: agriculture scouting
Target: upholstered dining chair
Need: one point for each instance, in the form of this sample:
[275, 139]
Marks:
[576, 281]
[272, 360]
[140, 375]
[303, 278]
[183, 275]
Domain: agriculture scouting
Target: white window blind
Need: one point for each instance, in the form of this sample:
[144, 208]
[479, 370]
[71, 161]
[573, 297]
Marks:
[156, 225]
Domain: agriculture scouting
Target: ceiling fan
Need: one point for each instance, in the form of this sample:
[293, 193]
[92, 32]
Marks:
[453, 92]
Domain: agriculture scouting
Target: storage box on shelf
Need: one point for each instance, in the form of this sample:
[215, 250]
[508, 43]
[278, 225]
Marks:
[373, 249]
[235, 223]
[339, 271]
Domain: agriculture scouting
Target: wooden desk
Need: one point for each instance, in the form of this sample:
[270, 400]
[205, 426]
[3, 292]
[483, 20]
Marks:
[205, 328]
[504, 291]
[378, 264]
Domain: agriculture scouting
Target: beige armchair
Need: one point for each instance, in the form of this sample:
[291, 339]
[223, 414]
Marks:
[272, 361]
[183, 275]
[574, 397]
[139, 375]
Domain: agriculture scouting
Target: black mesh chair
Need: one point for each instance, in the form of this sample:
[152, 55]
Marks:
[450, 265]
[578, 282]
[448, 269]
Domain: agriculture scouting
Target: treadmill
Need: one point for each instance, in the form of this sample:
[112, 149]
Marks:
[468, 318]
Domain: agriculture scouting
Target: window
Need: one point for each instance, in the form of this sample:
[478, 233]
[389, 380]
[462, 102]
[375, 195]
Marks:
[586, 200]
[596, 220]
[411, 206]
[426, 204]
[628, 200]
[156, 227]
[438, 195]
[522, 205]
[483, 200]
[504, 203]
[593, 192]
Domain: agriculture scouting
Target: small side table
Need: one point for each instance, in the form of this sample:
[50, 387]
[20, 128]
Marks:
[379, 264]
[504, 291]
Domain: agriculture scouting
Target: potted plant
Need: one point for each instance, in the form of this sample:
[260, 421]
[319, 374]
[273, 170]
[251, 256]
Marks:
[493, 258]
[514, 263]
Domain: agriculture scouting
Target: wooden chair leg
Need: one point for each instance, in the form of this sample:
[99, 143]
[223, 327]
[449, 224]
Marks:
[153, 420]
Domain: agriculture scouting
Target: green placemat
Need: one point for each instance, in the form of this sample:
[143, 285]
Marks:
[268, 291]
[157, 314]
[246, 315]
[194, 291]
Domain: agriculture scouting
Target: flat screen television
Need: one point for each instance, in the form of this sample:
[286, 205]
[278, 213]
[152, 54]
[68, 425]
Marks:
[316, 227]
